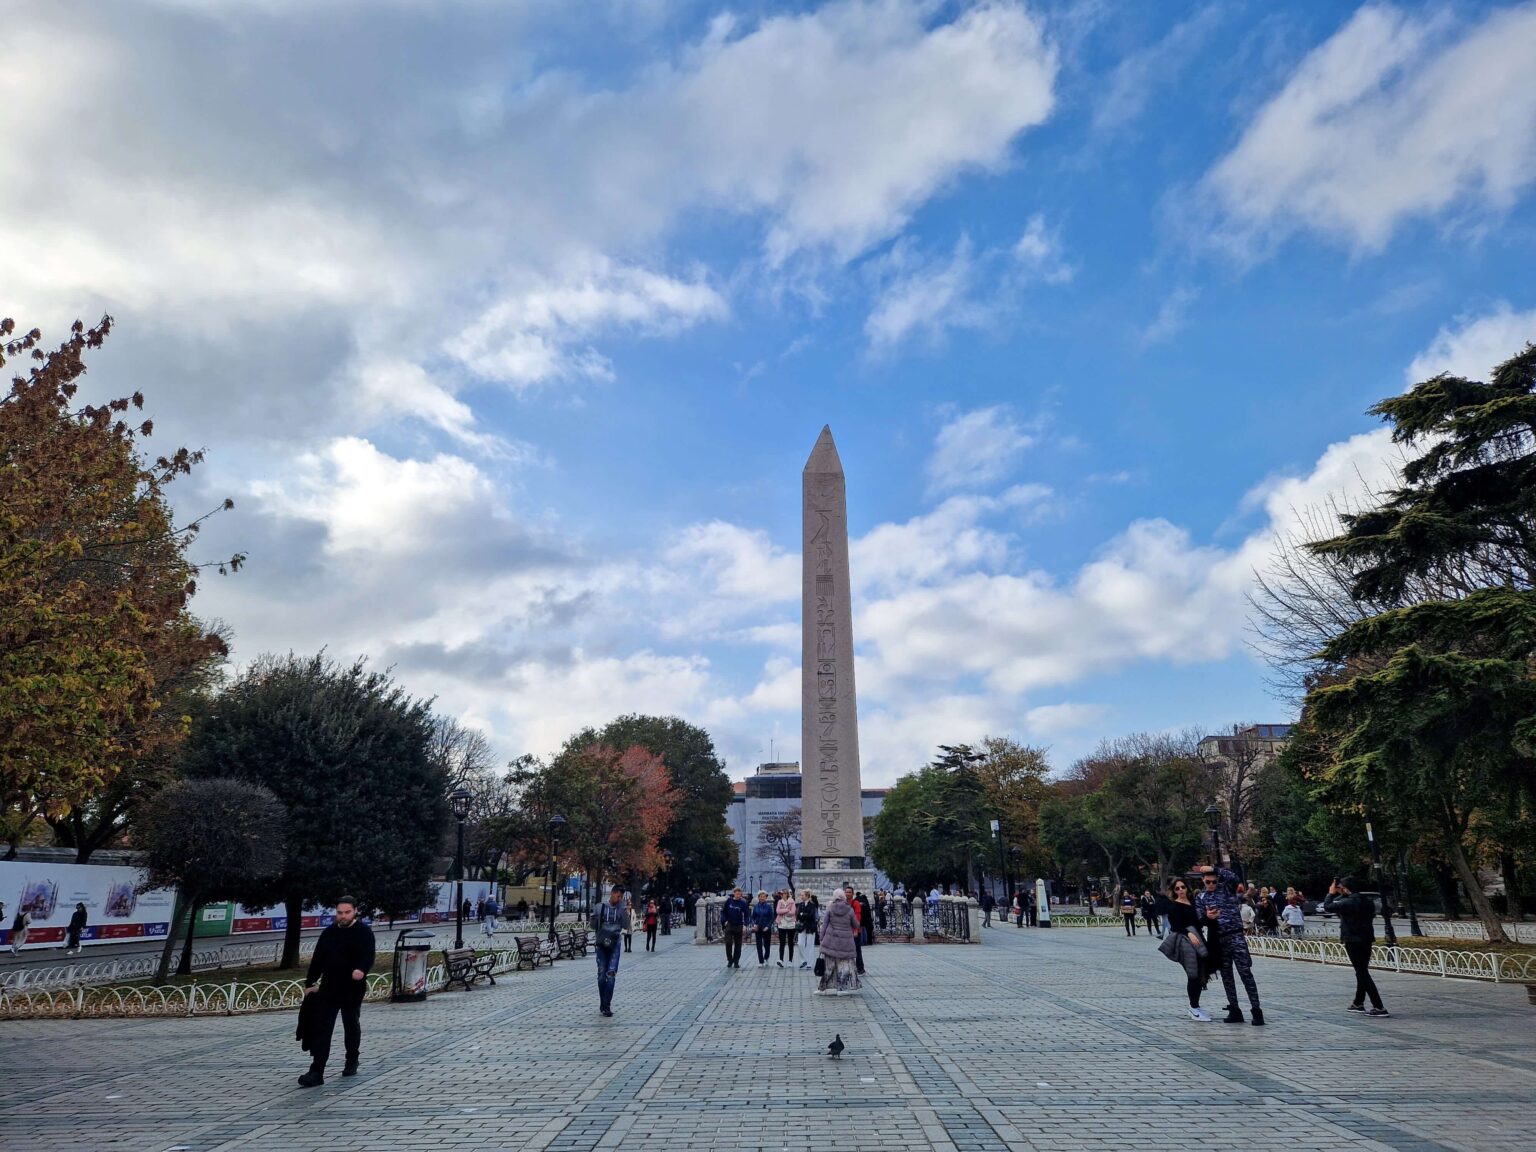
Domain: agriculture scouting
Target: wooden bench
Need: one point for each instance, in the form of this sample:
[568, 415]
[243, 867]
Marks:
[565, 944]
[465, 966]
[580, 943]
[529, 951]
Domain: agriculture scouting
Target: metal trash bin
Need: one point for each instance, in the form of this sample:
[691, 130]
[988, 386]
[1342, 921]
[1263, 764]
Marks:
[410, 975]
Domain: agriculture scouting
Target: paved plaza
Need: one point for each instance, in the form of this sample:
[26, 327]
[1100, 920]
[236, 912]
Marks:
[1047, 1039]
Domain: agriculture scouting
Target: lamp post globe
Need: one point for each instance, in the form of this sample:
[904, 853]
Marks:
[458, 802]
[556, 829]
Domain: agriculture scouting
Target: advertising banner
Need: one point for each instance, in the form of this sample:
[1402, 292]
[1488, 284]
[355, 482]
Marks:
[113, 909]
[474, 892]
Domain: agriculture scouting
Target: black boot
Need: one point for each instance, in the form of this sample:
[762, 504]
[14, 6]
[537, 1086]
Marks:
[1257, 1016]
[1234, 1015]
[313, 1078]
[350, 1067]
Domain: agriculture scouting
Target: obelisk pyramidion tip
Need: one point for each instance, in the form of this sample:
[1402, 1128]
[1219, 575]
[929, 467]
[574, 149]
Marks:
[824, 457]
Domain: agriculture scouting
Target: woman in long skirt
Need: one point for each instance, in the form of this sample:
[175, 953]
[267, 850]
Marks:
[840, 974]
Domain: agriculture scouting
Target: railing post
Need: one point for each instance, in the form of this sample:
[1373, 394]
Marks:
[1440, 956]
[230, 994]
[80, 1000]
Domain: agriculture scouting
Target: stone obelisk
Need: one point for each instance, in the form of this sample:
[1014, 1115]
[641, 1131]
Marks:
[832, 817]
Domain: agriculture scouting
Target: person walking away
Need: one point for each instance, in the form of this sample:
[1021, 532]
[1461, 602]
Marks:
[734, 914]
[1357, 932]
[866, 919]
[1128, 911]
[762, 927]
[787, 922]
[629, 939]
[338, 980]
[652, 919]
[1186, 939]
[839, 975]
[987, 904]
[76, 929]
[807, 913]
[858, 928]
[1218, 903]
[1295, 919]
[489, 910]
[1265, 918]
[610, 923]
[1149, 912]
[19, 927]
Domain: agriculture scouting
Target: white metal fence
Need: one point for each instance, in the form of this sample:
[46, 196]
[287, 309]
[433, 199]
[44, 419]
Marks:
[85, 973]
[213, 998]
[1430, 961]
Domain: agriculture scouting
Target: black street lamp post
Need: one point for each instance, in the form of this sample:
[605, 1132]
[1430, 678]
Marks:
[556, 827]
[1213, 821]
[666, 892]
[1002, 858]
[458, 800]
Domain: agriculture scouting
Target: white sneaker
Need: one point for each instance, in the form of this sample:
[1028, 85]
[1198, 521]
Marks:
[1200, 1014]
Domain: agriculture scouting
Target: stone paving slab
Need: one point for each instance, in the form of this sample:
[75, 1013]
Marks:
[1037, 1040]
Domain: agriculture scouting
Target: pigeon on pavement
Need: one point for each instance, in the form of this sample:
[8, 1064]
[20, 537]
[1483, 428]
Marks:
[835, 1049]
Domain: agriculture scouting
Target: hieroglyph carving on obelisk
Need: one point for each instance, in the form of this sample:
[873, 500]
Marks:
[832, 818]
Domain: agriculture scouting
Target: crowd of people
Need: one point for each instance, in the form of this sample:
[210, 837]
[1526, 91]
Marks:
[1261, 908]
[830, 941]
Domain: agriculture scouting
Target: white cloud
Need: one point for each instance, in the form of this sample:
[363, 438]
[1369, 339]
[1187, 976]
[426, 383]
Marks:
[1172, 315]
[370, 502]
[540, 333]
[977, 449]
[1136, 77]
[516, 214]
[1050, 720]
[1395, 117]
[1475, 346]
[840, 122]
[928, 300]
[1038, 253]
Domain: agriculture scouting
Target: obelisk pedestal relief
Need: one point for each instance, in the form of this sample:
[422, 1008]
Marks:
[832, 817]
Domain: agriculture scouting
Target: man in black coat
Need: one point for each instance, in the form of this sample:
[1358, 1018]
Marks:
[1357, 932]
[343, 956]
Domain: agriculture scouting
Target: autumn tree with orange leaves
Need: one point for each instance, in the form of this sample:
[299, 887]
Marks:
[617, 805]
[94, 587]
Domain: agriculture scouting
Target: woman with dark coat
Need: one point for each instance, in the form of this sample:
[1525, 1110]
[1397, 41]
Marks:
[840, 974]
[807, 913]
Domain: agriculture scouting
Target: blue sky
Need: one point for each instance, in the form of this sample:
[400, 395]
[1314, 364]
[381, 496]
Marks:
[509, 327]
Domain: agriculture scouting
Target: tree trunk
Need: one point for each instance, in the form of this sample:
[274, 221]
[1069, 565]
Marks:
[163, 969]
[1469, 880]
[1446, 884]
[291, 935]
[185, 967]
[1512, 903]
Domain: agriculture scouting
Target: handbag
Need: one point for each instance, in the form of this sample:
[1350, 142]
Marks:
[821, 966]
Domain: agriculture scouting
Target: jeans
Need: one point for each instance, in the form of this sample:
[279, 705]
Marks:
[650, 937]
[349, 1006]
[1360, 957]
[787, 943]
[764, 940]
[607, 972]
[732, 945]
[1234, 953]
